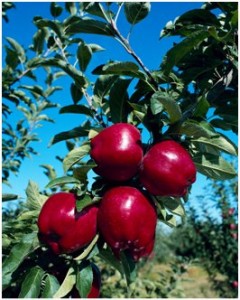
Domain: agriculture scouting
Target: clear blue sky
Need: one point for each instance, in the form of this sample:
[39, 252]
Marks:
[144, 40]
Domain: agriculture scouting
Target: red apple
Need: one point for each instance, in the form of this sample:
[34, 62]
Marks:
[63, 228]
[167, 169]
[127, 221]
[117, 151]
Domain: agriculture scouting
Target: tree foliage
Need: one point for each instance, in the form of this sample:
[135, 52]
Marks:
[189, 97]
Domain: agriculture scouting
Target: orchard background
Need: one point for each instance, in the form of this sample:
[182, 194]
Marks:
[66, 82]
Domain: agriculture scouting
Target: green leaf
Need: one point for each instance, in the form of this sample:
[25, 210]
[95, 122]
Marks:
[67, 284]
[198, 16]
[88, 25]
[17, 48]
[201, 108]
[71, 7]
[32, 283]
[54, 25]
[76, 75]
[75, 156]
[174, 205]
[9, 197]
[96, 9]
[176, 53]
[81, 131]
[103, 85]
[220, 142]
[76, 93]
[55, 9]
[170, 105]
[118, 100]
[107, 255]
[38, 40]
[195, 130]
[50, 171]
[84, 55]
[84, 280]
[61, 181]
[51, 286]
[128, 267]
[214, 166]
[119, 68]
[84, 202]
[35, 200]
[77, 109]
[81, 172]
[95, 47]
[136, 11]
[18, 253]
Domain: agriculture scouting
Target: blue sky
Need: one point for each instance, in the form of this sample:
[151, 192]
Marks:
[144, 40]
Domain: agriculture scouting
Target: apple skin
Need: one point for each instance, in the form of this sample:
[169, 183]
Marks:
[167, 169]
[63, 228]
[127, 221]
[117, 151]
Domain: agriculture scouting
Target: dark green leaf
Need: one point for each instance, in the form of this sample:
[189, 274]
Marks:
[176, 53]
[84, 280]
[38, 40]
[9, 197]
[214, 166]
[198, 16]
[76, 93]
[136, 11]
[96, 9]
[202, 108]
[17, 255]
[51, 286]
[81, 131]
[128, 267]
[174, 205]
[84, 55]
[103, 85]
[54, 25]
[108, 256]
[61, 181]
[118, 100]
[31, 285]
[88, 25]
[119, 68]
[55, 9]
[77, 109]
[17, 48]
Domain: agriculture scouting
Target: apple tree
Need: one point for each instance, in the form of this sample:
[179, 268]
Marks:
[184, 107]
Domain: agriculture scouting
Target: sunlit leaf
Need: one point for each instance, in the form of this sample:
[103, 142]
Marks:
[75, 156]
[214, 166]
[61, 181]
[67, 284]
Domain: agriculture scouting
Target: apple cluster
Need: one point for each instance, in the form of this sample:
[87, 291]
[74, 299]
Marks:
[126, 217]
